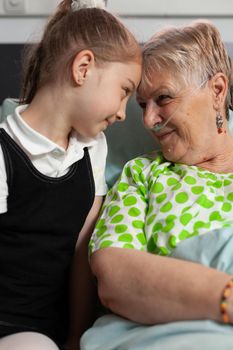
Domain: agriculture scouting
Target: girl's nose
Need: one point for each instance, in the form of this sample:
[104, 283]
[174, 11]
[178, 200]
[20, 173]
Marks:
[121, 114]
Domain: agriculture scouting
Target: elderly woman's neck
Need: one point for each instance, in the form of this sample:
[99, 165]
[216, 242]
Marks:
[221, 159]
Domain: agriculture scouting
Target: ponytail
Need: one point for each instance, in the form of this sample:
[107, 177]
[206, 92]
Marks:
[67, 33]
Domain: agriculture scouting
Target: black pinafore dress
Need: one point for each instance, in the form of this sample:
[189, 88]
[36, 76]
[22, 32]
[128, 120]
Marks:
[38, 235]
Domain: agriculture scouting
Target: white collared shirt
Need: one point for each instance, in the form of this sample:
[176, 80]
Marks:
[49, 158]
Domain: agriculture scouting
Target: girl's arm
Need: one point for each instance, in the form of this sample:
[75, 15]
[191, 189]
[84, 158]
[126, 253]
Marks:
[152, 289]
[83, 288]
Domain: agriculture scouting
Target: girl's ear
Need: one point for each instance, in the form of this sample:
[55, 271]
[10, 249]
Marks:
[82, 64]
[219, 84]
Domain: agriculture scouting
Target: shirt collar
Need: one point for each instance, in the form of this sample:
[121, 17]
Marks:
[37, 144]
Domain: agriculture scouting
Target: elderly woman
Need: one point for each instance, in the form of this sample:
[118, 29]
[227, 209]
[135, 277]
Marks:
[172, 206]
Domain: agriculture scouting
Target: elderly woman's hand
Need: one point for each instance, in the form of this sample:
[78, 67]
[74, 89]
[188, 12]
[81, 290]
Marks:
[230, 308]
[226, 303]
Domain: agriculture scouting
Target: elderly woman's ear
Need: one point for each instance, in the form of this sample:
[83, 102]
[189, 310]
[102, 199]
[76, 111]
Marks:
[219, 85]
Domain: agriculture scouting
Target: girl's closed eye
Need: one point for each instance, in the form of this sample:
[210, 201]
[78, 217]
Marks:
[127, 91]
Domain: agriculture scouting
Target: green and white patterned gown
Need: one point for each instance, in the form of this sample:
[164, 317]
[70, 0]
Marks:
[156, 204]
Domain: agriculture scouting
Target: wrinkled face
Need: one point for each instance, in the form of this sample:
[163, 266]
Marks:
[188, 110]
[104, 96]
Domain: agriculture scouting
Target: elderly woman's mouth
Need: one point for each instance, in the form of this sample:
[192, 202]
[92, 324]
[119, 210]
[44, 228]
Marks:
[165, 136]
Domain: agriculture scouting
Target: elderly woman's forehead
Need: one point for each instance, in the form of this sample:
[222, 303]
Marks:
[159, 80]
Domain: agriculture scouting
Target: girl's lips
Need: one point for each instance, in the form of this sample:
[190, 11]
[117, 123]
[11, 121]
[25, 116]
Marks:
[107, 124]
[110, 122]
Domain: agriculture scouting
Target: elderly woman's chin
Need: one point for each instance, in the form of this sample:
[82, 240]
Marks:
[170, 154]
[174, 145]
[177, 154]
[171, 150]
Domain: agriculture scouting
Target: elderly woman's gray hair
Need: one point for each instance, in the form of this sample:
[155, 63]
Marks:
[194, 53]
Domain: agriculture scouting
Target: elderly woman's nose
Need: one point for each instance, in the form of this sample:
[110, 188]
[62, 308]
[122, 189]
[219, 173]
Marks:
[151, 115]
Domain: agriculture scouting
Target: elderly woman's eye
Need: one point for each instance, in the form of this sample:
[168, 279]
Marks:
[163, 99]
[142, 105]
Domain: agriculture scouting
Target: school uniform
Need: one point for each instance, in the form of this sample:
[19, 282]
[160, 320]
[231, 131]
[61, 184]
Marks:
[47, 194]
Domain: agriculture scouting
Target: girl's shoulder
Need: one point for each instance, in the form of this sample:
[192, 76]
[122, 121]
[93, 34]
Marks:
[98, 148]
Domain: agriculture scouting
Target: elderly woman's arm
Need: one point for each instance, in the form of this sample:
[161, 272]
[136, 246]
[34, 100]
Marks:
[152, 289]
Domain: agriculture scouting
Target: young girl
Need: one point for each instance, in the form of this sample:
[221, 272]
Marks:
[52, 160]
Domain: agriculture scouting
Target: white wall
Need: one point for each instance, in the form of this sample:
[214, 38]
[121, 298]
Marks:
[172, 7]
[142, 17]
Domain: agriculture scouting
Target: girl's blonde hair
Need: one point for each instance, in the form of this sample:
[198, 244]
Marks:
[67, 33]
[194, 52]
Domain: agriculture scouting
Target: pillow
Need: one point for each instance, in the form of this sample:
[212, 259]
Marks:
[125, 140]
[8, 106]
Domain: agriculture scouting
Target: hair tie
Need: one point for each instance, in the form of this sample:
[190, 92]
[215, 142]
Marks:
[80, 4]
